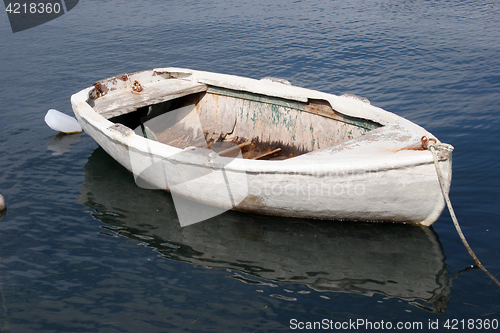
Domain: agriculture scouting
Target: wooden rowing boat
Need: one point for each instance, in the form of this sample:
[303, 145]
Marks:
[264, 146]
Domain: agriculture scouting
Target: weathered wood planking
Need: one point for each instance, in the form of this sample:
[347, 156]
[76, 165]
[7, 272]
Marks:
[126, 100]
[241, 115]
[316, 106]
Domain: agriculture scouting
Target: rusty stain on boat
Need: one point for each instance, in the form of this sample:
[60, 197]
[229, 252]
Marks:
[425, 142]
[136, 87]
[99, 90]
[250, 203]
[423, 146]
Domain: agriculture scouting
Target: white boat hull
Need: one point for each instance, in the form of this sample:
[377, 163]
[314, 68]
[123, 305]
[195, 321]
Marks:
[380, 176]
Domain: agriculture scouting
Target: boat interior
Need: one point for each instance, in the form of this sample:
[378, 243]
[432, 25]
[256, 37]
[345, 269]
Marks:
[243, 124]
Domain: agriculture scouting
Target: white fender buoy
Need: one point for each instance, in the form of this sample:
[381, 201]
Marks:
[61, 122]
[3, 205]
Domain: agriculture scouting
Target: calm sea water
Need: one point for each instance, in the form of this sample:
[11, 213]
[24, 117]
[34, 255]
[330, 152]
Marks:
[82, 249]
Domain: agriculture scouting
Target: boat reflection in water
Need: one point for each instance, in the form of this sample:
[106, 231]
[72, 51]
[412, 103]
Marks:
[405, 262]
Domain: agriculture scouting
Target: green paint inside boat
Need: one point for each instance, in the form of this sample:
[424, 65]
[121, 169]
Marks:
[238, 118]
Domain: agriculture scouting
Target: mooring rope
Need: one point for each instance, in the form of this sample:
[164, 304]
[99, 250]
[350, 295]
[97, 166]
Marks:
[432, 148]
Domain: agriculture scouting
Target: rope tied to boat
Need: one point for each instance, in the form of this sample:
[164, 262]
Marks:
[432, 145]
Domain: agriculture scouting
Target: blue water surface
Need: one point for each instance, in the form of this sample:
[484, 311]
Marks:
[83, 249]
